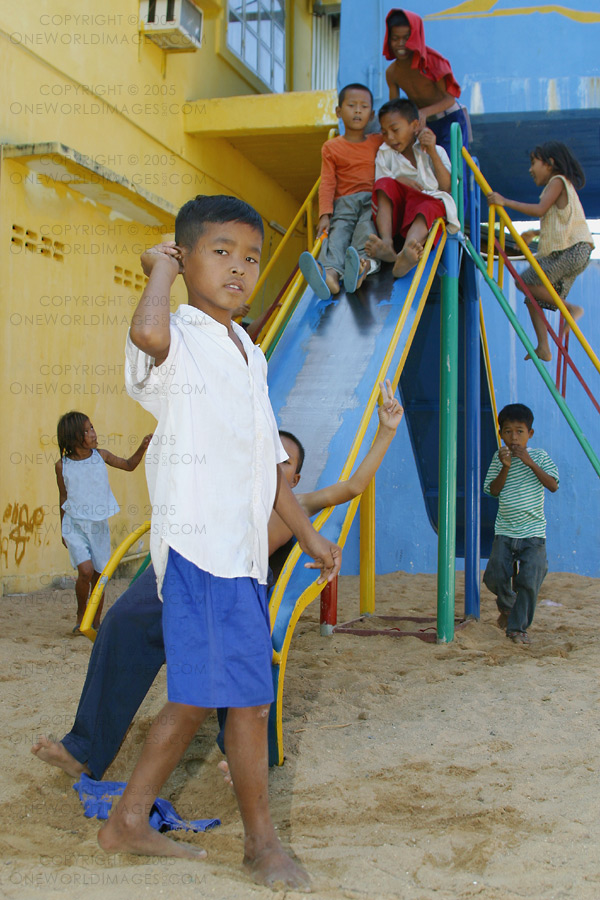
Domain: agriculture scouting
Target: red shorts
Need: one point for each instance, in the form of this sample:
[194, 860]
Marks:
[407, 204]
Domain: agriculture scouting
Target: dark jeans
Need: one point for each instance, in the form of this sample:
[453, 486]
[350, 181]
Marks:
[441, 129]
[128, 652]
[530, 553]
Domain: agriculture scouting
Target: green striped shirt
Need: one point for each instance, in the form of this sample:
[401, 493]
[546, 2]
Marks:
[521, 500]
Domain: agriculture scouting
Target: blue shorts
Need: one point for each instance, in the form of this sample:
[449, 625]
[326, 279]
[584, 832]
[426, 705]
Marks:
[217, 638]
[87, 540]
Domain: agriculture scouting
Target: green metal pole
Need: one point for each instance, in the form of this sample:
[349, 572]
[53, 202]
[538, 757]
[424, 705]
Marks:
[448, 418]
[587, 448]
[448, 439]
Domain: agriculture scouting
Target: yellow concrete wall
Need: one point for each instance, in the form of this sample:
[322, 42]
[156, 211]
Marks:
[78, 74]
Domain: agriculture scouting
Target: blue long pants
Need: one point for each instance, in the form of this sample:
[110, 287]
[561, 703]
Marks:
[126, 657]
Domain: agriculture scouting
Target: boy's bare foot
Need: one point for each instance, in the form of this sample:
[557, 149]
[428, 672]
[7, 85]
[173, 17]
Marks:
[365, 268]
[119, 836]
[55, 754]
[542, 353]
[224, 768]
[379, 249]
[274, 868]
[332, 280]
[576, 311]
[408, 258]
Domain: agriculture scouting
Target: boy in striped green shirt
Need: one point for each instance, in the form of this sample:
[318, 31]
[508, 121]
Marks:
[518, 476]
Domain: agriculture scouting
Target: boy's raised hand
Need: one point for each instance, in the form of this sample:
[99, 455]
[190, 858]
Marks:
[522, 453]
[168, 250]
[390, 412]
[323, 224]
[427, 141]
[505, 456]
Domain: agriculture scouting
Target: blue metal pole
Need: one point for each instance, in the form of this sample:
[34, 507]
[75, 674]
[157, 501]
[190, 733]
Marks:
[472, 416]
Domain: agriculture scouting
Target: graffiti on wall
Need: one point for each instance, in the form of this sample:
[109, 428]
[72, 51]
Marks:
[18, 530]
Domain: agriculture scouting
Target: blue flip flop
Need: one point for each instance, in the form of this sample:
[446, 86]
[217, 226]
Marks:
[313, 272]
[351, 270]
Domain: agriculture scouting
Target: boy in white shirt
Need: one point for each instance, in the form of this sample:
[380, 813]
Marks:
[411, 190]
[205, 381]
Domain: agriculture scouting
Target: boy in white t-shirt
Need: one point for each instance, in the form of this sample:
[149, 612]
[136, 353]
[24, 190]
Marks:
[205, 381]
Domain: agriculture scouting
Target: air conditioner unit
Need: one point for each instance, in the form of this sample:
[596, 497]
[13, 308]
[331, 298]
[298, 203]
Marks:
[172, 24]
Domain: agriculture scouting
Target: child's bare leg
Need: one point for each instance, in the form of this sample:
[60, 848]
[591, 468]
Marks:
[539, 292]
[128, 828]
[85, 576]
[98, 615]
[55, 754]
[539, 326]
[247, 753]
[332, 280]
[412, 251]
[382, 247]
[576, 312]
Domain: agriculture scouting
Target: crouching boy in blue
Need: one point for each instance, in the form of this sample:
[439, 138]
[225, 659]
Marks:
[205, 381]
[518, 476]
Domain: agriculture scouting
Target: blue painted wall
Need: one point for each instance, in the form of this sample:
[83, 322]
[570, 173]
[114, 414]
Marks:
[505, 60]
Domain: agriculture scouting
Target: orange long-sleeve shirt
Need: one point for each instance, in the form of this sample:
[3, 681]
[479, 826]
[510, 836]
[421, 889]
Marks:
[346, 168]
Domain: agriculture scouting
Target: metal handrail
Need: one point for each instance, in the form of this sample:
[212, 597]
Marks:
[306, 207]
[507, 221]
[267, 343]
[488, 368]
[278, 251]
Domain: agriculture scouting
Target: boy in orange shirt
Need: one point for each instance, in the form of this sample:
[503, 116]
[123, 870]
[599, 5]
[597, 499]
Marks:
[347, 177]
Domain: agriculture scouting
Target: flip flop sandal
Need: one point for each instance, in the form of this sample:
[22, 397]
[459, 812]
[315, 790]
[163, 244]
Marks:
[519, 637]
[313, 273]
[351, 270]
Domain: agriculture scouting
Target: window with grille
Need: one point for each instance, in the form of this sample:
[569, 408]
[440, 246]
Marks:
[256, 35]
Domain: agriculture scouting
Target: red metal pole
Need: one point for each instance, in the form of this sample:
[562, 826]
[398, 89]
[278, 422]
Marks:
[329, 607]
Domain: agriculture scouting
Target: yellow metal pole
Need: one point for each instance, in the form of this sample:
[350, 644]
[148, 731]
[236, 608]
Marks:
[267, 269]
[490, 241]
[86, 626]
[500, 257]
[286, 302]
[367, 550]
[488, 367]
[309, 226]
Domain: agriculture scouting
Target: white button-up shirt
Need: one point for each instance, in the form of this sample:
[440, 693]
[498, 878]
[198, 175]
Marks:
[389, 164]
[212, 463]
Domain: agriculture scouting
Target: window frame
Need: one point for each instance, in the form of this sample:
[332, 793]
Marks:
[242, 68]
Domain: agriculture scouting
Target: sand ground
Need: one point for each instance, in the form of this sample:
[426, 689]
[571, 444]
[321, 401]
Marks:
[414, 771]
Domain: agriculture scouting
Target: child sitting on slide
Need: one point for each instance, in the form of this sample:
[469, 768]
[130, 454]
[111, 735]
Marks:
[347, 176]
[412, 181]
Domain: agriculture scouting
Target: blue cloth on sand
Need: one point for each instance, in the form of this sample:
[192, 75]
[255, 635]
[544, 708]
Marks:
[96, 797]
[217, 638]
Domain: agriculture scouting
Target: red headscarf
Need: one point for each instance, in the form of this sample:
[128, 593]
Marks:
[429, 62]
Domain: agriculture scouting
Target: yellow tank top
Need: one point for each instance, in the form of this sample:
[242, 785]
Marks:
[562, 228]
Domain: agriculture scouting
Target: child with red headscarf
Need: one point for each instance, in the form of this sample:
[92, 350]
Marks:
[424, 75]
